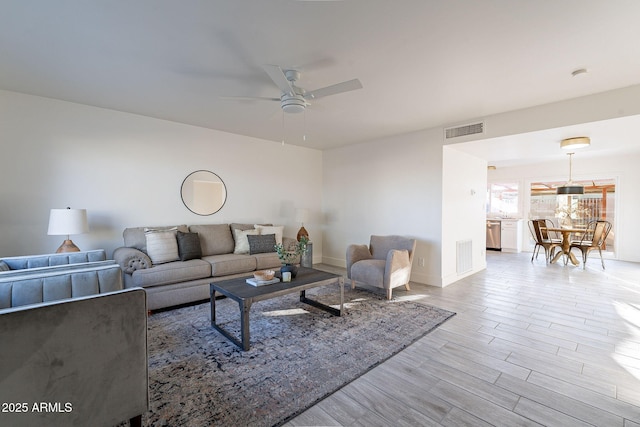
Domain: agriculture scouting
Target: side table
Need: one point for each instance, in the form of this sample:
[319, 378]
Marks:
[307, 258]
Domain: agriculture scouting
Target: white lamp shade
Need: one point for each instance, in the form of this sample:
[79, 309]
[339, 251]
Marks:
[68, 221]
[302, 215]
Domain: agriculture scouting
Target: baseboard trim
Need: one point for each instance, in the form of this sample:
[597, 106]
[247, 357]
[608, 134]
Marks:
[424, 279]
[336, 262]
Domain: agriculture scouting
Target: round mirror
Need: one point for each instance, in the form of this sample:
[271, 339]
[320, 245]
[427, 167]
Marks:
[203, 192]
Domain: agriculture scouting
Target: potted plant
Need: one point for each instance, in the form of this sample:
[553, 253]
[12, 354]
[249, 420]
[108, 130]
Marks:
[290, 254]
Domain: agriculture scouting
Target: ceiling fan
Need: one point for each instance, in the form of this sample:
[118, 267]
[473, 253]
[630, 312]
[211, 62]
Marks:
[294, 98]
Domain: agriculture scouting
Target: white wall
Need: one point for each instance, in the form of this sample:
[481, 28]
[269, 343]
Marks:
[387, 186]
[395, 184]
[126, 170]
[404, 185]
[622, 168]
[463, 211]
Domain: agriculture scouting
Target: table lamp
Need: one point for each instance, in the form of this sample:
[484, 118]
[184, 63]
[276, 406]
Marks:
[64, 222]
[302, 215]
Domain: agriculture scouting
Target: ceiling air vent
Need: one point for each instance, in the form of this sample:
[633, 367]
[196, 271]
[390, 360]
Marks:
[471, 129]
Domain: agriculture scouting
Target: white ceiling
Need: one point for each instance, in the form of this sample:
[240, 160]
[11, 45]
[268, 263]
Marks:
[423, 63]
[608, 138]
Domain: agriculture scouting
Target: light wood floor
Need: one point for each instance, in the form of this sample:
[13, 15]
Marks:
[531, 344]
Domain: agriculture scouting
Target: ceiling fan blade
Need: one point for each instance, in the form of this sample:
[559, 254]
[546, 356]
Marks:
[334, 89]
[278, 77]
[250, 98]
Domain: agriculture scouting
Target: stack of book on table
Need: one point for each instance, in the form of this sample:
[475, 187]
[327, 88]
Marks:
[255, 282]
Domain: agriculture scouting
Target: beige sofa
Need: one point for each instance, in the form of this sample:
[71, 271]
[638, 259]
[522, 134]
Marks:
[171, 278]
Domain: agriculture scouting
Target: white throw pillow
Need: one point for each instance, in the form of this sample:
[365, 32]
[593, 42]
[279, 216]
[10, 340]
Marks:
[162, 245]
[242, 243]
[278, 230]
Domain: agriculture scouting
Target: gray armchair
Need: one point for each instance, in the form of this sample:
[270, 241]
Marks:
[386, 263]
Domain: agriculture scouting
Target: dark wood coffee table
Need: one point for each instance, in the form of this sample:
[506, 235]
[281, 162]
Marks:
[245, 295]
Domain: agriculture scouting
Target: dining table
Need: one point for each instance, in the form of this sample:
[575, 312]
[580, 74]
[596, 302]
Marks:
[566, 243]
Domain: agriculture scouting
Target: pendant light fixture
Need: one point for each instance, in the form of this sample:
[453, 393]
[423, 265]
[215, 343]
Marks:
[569, 187]
[574, 143]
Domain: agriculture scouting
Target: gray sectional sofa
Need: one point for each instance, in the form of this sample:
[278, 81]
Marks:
[212, 252]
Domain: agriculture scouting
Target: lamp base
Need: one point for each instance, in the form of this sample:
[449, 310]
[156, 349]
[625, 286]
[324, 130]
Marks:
[302, 232]
[68, 246]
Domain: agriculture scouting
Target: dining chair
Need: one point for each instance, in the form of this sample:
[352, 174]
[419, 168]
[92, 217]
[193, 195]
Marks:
[593, 238]
[545, 227]
[543, 238]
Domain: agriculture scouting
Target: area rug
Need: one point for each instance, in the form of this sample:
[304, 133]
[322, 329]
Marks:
[298, 356]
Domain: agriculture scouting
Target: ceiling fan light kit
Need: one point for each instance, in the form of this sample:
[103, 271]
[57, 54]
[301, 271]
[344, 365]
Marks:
[292, 103]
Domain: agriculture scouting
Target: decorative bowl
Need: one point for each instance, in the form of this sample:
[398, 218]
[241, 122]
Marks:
[264, 275]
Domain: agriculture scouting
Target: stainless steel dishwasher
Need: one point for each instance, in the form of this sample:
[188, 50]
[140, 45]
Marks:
[493, 235]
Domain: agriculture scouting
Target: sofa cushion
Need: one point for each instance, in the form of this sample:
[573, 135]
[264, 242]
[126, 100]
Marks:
[134, 237]
[369, 271]
[215, 239]
[172, 272]
[162, 245]
[261, 243]
[189, 246]
[278, 230]
[267, 260]
[226, 264]
[241, 240]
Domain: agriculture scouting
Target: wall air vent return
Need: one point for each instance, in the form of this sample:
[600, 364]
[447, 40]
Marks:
[464, 256]
[470, 129]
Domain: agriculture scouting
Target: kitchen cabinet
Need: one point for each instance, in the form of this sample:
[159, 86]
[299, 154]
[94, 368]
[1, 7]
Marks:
[511, 235]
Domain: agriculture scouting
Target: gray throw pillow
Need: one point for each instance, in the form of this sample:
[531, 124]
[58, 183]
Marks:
[260, 244]
[189, 246]
[4, 266]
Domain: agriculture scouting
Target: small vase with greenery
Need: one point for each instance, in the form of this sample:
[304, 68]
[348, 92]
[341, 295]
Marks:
[290, 254]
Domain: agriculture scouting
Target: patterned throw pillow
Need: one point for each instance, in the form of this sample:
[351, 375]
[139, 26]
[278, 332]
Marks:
[242, 243]
[162, 245]
[189, 246]
[261, 244]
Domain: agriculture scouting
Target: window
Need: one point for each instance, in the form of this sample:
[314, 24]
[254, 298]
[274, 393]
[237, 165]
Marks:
[502, 199]
[597, 203]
